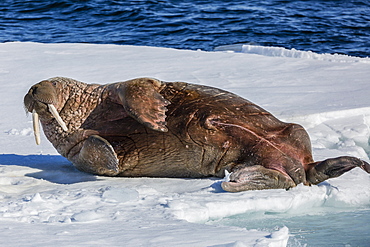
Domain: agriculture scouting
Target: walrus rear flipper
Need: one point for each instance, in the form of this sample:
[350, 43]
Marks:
[142, 101]
[97, 157]
[257, 178]
[331, 168]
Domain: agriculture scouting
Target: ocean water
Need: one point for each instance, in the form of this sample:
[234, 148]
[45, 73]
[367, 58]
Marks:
[329, 229]
[322, 26]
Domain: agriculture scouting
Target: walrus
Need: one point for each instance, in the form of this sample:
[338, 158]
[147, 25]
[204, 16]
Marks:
[149, 128]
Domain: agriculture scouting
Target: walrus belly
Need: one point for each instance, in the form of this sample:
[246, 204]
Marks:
[158, 155]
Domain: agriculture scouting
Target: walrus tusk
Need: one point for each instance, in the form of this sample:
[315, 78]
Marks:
[36, 126]
[57, 117]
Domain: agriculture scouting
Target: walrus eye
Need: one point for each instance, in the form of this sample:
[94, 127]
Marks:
[57, 117]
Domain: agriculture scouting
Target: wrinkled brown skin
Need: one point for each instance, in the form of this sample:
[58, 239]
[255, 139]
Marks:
[208, 131]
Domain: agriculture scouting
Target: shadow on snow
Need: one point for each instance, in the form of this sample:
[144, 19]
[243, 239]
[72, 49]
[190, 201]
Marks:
[54, 168]
[57, 169]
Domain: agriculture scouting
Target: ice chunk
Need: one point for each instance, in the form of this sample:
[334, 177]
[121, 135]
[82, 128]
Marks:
[276, 239]
[85, 216]
[113, 194]
[233, 244]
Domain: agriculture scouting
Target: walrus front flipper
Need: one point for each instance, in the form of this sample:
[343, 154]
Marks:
[257, 178]
[97, 156]
[331, 168]
[142, 101]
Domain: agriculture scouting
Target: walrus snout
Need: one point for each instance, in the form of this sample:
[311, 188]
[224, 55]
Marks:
[40, 98]
[40, 94]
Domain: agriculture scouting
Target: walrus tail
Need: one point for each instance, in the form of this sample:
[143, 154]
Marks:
[320, 171]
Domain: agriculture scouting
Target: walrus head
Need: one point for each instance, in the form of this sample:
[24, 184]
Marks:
[42, 99]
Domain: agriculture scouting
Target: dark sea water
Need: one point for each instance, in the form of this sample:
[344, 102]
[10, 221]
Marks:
[323, 26]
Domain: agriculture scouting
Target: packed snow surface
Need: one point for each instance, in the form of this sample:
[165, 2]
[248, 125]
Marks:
[45, 201]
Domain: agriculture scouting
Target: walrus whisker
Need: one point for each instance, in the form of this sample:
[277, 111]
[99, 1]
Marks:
[36, 126]
[57, 117]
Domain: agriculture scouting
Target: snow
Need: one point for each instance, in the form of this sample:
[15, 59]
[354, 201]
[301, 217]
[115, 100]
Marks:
[283, 52]
[45, 201]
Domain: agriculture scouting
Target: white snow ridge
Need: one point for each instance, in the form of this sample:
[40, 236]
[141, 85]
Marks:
[292, 53]
[45, 201]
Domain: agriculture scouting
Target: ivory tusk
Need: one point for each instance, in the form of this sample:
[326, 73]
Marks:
[36, 126]
[57, 117]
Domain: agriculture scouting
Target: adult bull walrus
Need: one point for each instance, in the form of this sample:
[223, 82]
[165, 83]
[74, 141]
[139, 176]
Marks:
[146, 127]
